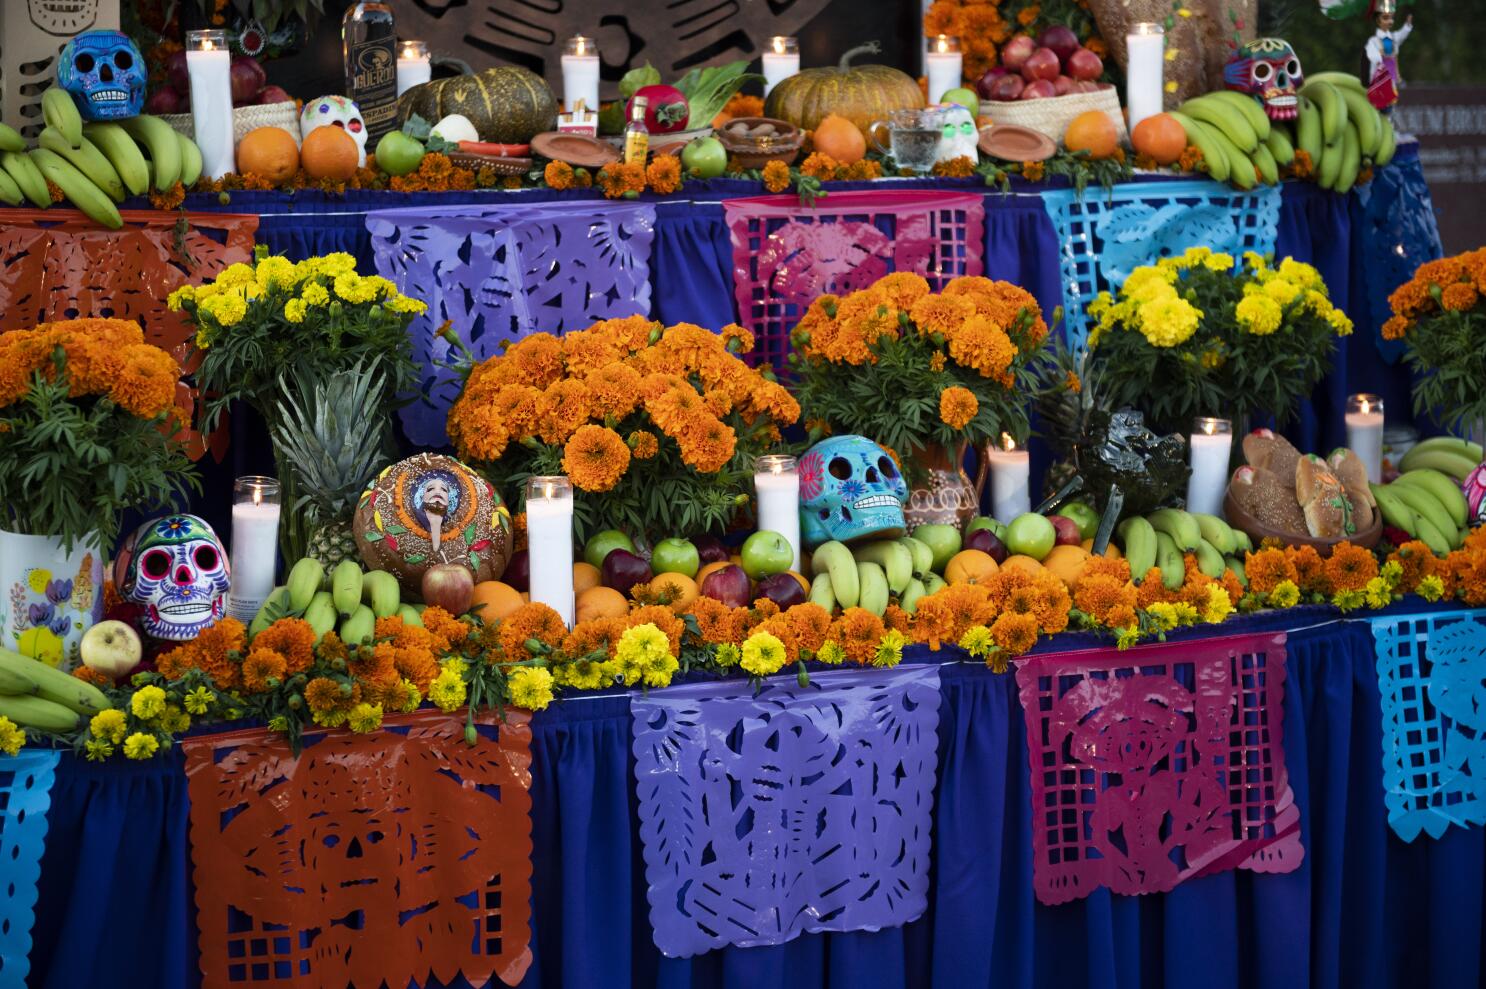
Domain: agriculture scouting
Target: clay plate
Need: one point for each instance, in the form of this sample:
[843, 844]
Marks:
[1239, 519]
[1012, 143]
[575, 149]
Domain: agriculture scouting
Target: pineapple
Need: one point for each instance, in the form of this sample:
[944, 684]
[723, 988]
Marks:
[331, 434]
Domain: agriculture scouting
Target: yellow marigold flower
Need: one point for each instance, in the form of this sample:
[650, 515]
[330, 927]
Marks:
[831, 653]
[1379, 593]
[405, 697]
[977, 641]
[199, 701]
[314, 294]
[294, 310]
[1348, 600]
[1219, 605]
[148, 702]
[1164, 614]
[1301, 274]
[110, 725]
[448, 690]
[98, 751]
[957, 406]
[11, 736]
[763, 654]
[364, 718]
[1431, 588]
[1258, 314]
[531, 687]
[1281, 290]
[728, 655]
[638, 649]
[1218, 262]
[1169, 322]
[890, 649]
[1285, 595]
[141, 746]
[1127, 637]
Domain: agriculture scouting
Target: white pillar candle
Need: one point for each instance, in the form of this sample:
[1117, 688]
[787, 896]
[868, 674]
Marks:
[944, 65]
[255, 544]
[1011, 475]
[209, 66]
[781, 60]
[1145, 48]
[580, 74]
[1210, 443]
[413, 66]
[549, 538]
[1365, 433]
[777, 483]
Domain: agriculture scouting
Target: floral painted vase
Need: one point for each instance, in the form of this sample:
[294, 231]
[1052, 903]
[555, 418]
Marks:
[51, 596]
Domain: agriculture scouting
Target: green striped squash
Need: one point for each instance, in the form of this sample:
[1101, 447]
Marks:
[507, 104]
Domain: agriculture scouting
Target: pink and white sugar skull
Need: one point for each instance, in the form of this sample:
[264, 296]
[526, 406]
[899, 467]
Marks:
[334, 111]
[1268, 70]
[1474, 487]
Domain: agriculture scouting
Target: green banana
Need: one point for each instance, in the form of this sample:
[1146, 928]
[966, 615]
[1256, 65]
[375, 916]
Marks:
[923, 556]
[1333, 109]
[11, 139]
[874, 589]
[59, 110]
[1330, 166]
[1138, 542]
[54, 685]
[78, 188]
[1446, 461]
[1241, 541]
[1395, 512]
[1217, 532]
[1240, 169]
[1209, 559]
[895, 559]
[15, 682]
[305, 579]
[1236, 565]
[320, 613]
[1179, 525]
[1341, 80]
[1445, 490]
[37, 712]
[821, 592]
[1227, 120]
[1351, 160]
[121, 151]
[410, 615]
[1169, 558]
[835, 559]
[1453, 444]
[1269, 169]
[1362, 115]
[360, 626]
[908, 601]
[191, 162]
[345, 587]
[1427, 508]
[1308, 130]
[274, 607]
[1279, 145]
[1434, 538]
[1252, 112]
[1387, 144]
[381, 590]
[27, 176]
[1213, 154]
[159, 139]
[86, 158]
[934, 583]
[10, 193]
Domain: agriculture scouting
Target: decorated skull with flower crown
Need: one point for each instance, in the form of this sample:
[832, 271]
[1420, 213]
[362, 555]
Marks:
[850, 488]
[176, 570]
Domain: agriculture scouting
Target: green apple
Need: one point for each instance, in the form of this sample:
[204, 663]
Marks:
[964, 96]
[705, 157]
[766, 552]
[986, 522]
[943, 540]
[398, 154]
[1084, 517]
[675, 555]
[1031, 535]
[601, 544]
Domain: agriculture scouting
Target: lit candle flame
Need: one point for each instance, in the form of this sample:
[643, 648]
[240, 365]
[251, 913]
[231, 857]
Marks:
[778, 45]
[1007, 443]
[942, 43]
[1209, 427]
[257, 496]
[206, 45]
[1366, 406]
[581, 47]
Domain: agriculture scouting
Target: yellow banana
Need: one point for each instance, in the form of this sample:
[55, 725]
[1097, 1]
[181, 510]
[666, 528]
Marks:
[1341, 80]
[1209, 560]
[410, 615]
[54, 685]
[78, 188]
[19, 166]
[10, 139]
[1308, 130]
[37, 712]
[1351, 159]
[908, 600]
[874, 590]
[381, 590]
[1179, 525]
[86, 158]
[1170, 560]
[895, 559]
[59, 110]
[10, 193]
[1330, 166]
[1278, 143]
[190, 160]
[1212, 154]
[1138, 541]
[305, 578]
[1445, 489]
[835, 559]
[1269, 169]
[121, 151]
[1365, 117]
[321, 613]
[360, 627]
[345, 587]
[1387, 144]
[1333, 109]
[821, 592]
[1249, 107]
[159, 139]
[1226, 119]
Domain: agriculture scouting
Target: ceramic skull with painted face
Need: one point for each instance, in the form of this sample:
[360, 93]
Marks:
[105, 74]
[334, 111]
[850, 488]
[176, 570]
[959, 137]
[1268, 70]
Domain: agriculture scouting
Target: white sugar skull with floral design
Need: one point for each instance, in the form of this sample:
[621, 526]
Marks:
[176, 570]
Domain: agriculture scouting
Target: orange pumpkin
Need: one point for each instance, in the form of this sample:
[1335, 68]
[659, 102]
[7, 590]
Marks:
[838, 137]
[1161, 137]
[861, 93]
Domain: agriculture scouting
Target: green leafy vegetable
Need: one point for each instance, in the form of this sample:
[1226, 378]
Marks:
[637, 79]
[708, 90]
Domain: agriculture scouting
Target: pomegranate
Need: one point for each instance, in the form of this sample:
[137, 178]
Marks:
[1038, 89]
[1006, 88]
[1017, 51]
[1041, 64]
[1084, 64]
[248, 78]
[1061, 39]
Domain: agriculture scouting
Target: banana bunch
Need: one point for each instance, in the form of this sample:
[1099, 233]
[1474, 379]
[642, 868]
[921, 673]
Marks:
[35, 695]
[1235, 137]
[1426, 500]
[345, 599]
[95, 165]
[873, 574]
[1164, 537]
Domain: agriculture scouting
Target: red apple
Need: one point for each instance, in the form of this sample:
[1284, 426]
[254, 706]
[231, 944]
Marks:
[728, 584]
[1038, 89]
[166, 100]
[248, 78]
[623, 570]
[1007, 88]
[1041, 64]
[781, 588]
[710, 548]
[450, 586]
[1016, 51]
[1084, 64]
[987, 542]
[1061, 39]
[1067, 531]
[987, 80]
[176, 73]
[273, 94]
[1062, 86]
[518, 570]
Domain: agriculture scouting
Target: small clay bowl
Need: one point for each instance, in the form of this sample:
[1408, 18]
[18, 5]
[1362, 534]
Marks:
[1258, 531]
[756, 151]
[1012, 143]
[575, 149]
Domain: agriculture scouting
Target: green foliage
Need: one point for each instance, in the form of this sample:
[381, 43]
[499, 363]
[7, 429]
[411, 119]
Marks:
[1448, 350]
[68, 466]
[707, 90]
[1080, 169]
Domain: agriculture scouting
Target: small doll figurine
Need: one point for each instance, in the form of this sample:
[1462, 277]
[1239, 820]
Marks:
[1381, 50]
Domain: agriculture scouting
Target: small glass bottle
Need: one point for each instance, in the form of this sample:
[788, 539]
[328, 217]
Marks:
[369, 45]
[636, 134]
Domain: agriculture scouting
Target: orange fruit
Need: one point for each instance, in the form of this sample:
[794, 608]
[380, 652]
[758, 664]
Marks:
[269, 153]
[681, 589]
[600, 602]
[1111, 551]
[1019, 561]
[585, 575]
[1161, 137]
[840, 139]
[330, 153]
[1066, 563]
[499, 600]
[970, 566]
[1094, 132]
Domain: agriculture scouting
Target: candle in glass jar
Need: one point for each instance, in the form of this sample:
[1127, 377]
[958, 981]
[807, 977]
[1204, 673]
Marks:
[944, 66]
[1210, 443]
[1011, 473]
[413, 65]
[580, 74]
[255, 544]
[209, 67]
[549, 537]
[781, 60]
[1365, 433]
[1145, 46]
[777, 483]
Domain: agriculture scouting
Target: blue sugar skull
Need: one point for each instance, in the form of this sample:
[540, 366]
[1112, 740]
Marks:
[850, 489]
[176, 570]
[105, 74]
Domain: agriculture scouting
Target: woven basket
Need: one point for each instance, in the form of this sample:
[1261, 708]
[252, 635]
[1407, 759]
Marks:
[246, 118]
[1051, 115]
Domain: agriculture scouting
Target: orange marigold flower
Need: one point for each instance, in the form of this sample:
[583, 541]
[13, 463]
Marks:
[714, 620]
[776, 176]
[447, 631]
[533, 620]
[561, 409]
[1459, 297]
[292, 638]
[664, 174]
[943, 314]
[558, 175]
[643, 444]
[955, 168]
[1153, 589]
[898, 620]
[708, 445]
[1267, 568]
[222, 639]
[1350, 567]
[618, 179]
[862, 171]
[614, 390]
[957, 406]
[261, 666]
[739, 105]
[1100, 594]
[820, 166]
[594, 635]
[1395, 328]
[1033, 171]
[810, 624]
[146, 381]
[1310, 570]
[1027, 15]
[1014, 632]
[1109, 566]
[96, 677]
[595, 458]
[858, 631]
[377, 666]
[902, 288]
[322, 694]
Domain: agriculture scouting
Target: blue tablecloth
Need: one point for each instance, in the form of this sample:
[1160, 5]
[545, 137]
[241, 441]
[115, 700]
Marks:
[1363, 910]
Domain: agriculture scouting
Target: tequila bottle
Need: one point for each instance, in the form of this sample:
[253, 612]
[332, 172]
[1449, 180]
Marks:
[368, 41]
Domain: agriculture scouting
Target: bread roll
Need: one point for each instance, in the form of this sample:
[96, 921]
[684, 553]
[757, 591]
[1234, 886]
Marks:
[1267, 499]
[1267, 449]
[1348, 468]
[1323, 500]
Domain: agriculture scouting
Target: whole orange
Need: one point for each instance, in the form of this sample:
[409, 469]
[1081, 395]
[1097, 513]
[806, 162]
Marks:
[330, 153]
[840, 139]
[268, 152]
[1092, 131]
[600, 602]
[1161, 137]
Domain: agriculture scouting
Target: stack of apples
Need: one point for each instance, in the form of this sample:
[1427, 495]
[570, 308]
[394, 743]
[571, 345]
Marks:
[1055, 64]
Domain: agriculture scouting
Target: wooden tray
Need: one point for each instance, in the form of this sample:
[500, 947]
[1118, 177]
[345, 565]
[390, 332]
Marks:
[1239, 519]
